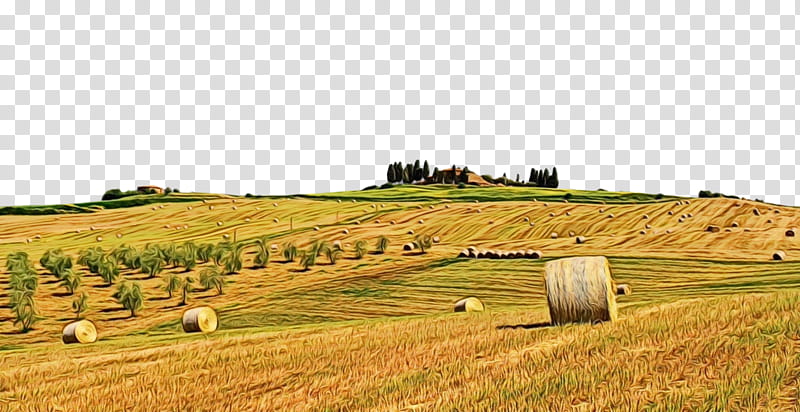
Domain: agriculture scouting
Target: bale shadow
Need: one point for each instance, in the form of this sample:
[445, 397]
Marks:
[526, 326]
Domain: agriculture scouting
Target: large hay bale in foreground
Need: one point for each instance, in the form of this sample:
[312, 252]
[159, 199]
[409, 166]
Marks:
[82, 331]
[469, 304]
[202, 319]
[580, 289]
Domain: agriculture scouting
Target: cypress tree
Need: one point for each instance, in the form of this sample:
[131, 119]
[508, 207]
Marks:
[517, 177]
[544, 178]
[426, 170]
[455, 179]
[464, 178]
[532, 178]
[408, 173]
[436, 177]
[417, 171]
[398, 171]
[554, 178]
[390, 176]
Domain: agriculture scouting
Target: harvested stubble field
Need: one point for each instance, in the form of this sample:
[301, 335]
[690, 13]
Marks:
[712, 323]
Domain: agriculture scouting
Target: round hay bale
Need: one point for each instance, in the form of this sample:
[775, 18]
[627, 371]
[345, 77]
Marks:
[82, 331]
[472, 252]
[686, 202]
[160, 206]
[78, 231]
[689, 215]
[203, 319]
[477, 211]
[99, 238]
[670, 213]
[447, 206]
[210, 207]
[502, 254]
[712, 229]
[345, 232]
[391, 222]
[276, 205]
[601, 210]
[623, 290]
[738, 205]
[409, 246]
[185, 226]
[491, 222]
[554, 235]
[668, 231]
[247, 219]
[28, 240]
[645, 217]
[533, 254]
[233, 200]
[337, 243]
[430, 207]
[92, 228]
[552, 214]
[580, 289]
[481, 254]
[273, 246]
[727, 229]
[769, 220]
[188, 208]
[567, 214]
[493, 254]
[233, 207]
[338, 200]
[372, 205]
[435, 239]
[571, 233]
[777, 211]
[358, 222]
[526, 219]
[469, 305]
[790, 232]
[275, 220]
[119, 235]
[544, 204]
[410, 232]
[779, 255]
[683, 216]
[226, 236]
[680, 220]
[756, 212]
[38, 237]
[166, 226]
[383, 205]
[205, 201]
[464, 253]
[746, 230]
[420, 221]
[642, 232]
[531, 224]
[610, 215]
[580, 240]
[648, 226]
[219, 223]
[735, 224]
[316, 228]
[678, 203]
[519, 254]
[419, 206]
[154, 208]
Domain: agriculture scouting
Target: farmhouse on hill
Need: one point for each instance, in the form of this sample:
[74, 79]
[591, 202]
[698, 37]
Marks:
[441, 176]
[150, 189]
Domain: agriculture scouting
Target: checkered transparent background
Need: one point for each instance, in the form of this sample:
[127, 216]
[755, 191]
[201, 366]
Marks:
[300, 96]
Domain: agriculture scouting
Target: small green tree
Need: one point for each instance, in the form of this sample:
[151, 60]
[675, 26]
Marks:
[80, 304]
[382, 245]
[333, 253]
[262, 254]
[232, 257]
[360, 249]
[212, 278]
[24, 309]
[423, 242]
[171, 284]
[152, 262]
[205, 252]
[130, 296]
[186, 287]
[289, 252]
[108, 271]
[308, 259]
[187, 255]
[70, 280]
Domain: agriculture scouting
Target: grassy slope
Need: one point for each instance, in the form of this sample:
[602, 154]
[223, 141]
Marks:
[662, 268]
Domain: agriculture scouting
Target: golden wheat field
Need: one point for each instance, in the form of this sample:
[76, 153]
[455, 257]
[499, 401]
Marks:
[712, 323]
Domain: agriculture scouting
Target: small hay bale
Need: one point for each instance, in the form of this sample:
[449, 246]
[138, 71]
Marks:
[470, 304]
[689, 215]
[712, 229]
[247, 219]
[580, 289]
[78, 231]
[493, 254]
[383, 205]
[419, 206]
[226, 236]
[727, 229]
[409, 246]
[410, 232]
[567, 214]
[686, 202]
[188, 208]
[430, 207]
[735, 224]
[203, 319]
[435, 239]
[28, 240]
[160, 206]
[447, 206]
[648, 226]
[92, 228]
[491, 222]
[756, 212]
[623, 290]
[166, 226]
[519, 254]
[777, 211]
[680, 220]
[472, 252]
[420, 221]
[645, 217]
[38, 237]
[746, 230]
[185, 226]
[683, 216]
[358, 222]
[464, 253]
[531, 224]
[273, 246]
[477, 211]
[219, 223]
[377, 221]
[276, 205]
[338, 200]
[779, 255]
[210, 207]
[610, 215]
[566, 201]
[337, 243]
[544, 204]
[678, 203]
[790, 232]
[601, 210]
[391, 222]
[571, 233]
[481, 254]
[554, 235]
[99, 238]
[233, 200]
[642, 232]
[119, 235]
[533, 254]
[580, 240]
[154, 208]
[316, 228]
[233, 207]
[769, 221]
[372, 205]
[670, 213]
[552, 214]
[204, 201]
[82, 331]
[345, 232]
[275, 220]
[668, 231]
[526, 219]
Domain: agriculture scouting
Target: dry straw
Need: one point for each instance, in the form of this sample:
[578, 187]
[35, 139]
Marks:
[203, 319]
[580, 289]
[82, 331]
[470, 304]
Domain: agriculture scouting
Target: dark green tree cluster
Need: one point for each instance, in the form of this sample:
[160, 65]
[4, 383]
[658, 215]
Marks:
[23, 282]
[544, 177]
[60, 266]
[412, 172]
